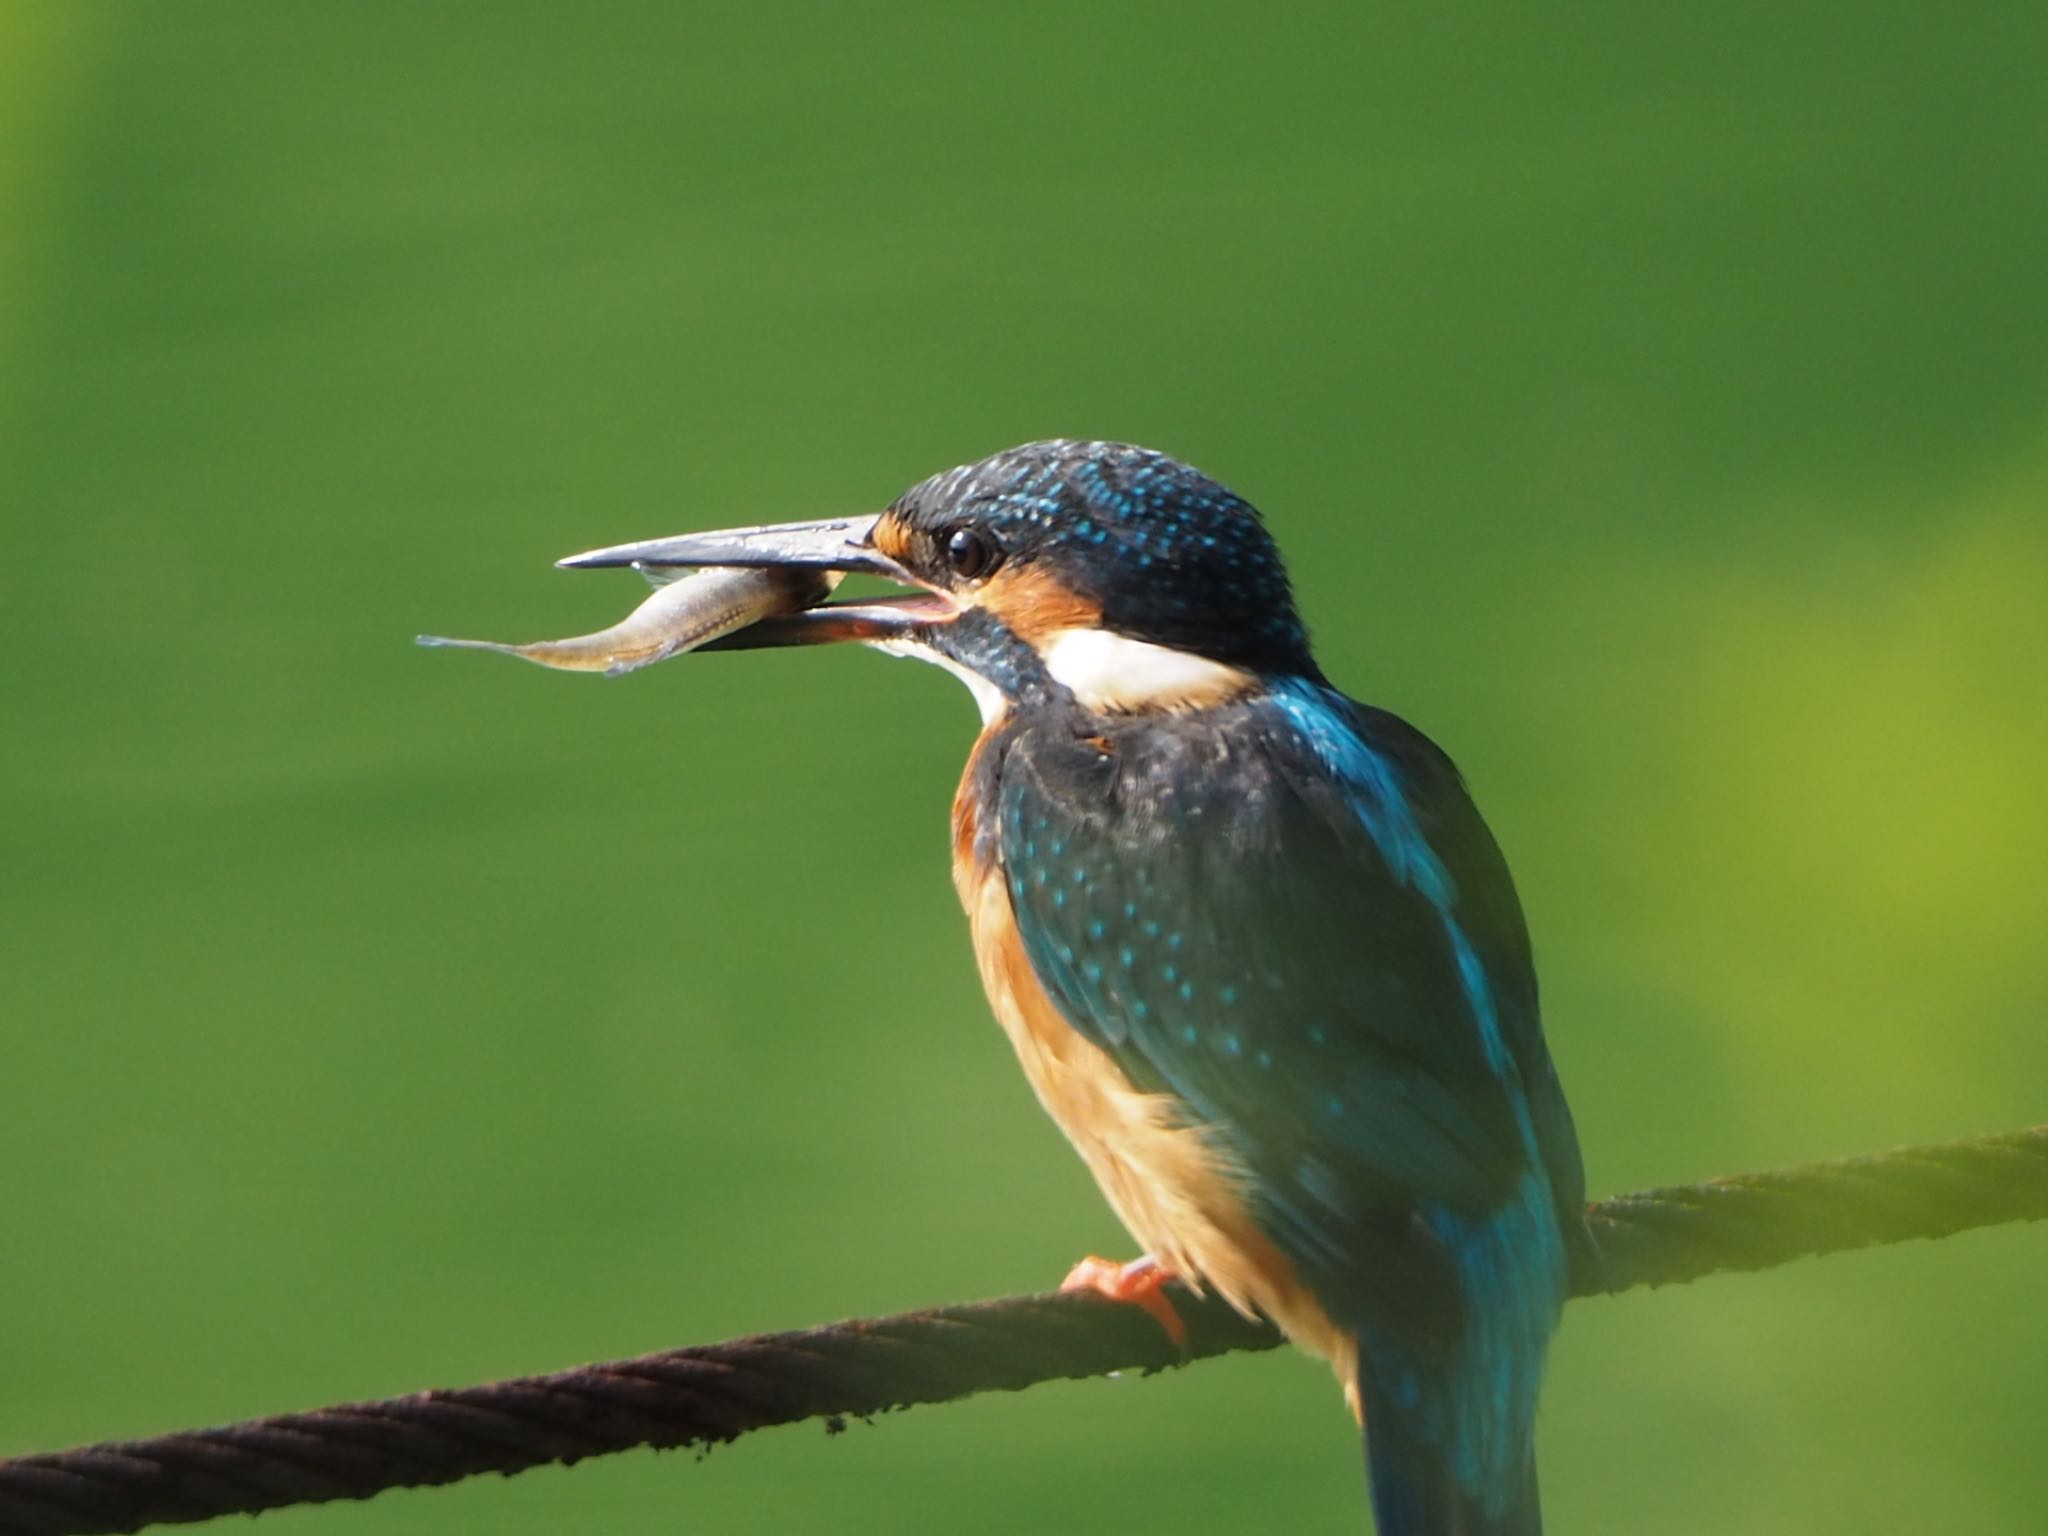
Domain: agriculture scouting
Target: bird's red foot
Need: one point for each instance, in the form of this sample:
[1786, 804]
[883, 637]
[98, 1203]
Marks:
[1139, 1282]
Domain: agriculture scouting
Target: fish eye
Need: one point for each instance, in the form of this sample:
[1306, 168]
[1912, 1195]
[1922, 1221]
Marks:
[970, 553]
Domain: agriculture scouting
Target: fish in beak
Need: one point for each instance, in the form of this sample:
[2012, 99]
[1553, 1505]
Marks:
[833, 547]
[685, 613]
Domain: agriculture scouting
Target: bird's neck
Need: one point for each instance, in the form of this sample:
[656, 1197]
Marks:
[1000, 668]
[1097, 670]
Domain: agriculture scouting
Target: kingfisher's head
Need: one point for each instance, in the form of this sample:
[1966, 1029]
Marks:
[1113, 572]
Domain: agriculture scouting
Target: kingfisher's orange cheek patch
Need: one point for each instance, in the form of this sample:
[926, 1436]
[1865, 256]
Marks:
[1033, 604]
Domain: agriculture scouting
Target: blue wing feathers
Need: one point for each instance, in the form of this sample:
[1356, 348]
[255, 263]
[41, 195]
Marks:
[1286, 914]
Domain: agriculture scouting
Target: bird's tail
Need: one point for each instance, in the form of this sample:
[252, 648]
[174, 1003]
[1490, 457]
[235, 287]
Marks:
[1424, 1478]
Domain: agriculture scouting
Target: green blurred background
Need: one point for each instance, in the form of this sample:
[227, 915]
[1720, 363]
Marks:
[1653, 402]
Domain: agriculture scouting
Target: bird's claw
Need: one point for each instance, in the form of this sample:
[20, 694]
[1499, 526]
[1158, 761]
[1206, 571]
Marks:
[1141, 1282]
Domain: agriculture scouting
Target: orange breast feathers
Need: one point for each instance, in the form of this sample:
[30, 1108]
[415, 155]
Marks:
[1177, 1194]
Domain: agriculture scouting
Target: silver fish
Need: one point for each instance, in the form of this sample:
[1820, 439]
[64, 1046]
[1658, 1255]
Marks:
[684, 612]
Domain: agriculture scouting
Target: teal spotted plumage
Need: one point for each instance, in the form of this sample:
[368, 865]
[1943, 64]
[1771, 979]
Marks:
[1286, 914]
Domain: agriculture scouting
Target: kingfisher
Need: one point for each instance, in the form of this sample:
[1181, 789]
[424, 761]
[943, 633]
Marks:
[1255, 949]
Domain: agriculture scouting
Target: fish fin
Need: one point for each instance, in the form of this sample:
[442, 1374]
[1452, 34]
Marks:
[659, 576]
[621, 668]
[466, 645]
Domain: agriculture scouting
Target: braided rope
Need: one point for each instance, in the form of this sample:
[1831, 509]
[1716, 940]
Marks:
[715, 1393]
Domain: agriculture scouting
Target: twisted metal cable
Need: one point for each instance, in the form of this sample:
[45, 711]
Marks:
[715, 1393]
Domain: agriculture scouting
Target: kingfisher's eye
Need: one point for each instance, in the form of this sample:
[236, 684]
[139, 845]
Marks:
[971, 553]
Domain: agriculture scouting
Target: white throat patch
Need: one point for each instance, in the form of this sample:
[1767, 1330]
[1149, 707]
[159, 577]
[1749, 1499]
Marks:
[1118, 675]
[988, 698]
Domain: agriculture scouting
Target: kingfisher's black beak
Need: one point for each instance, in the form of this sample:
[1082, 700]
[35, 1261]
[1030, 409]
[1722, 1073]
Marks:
[843, 544]
[832, 544]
